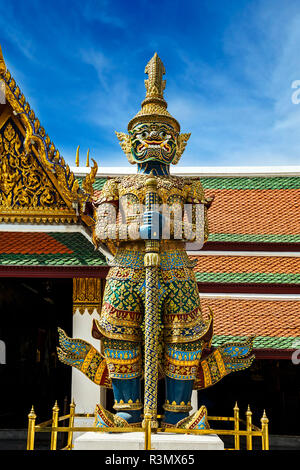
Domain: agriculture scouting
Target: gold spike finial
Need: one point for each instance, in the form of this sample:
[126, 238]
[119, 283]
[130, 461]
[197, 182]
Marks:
[32, 413]
[155, 84]
[77, 156]
[2, 63]
[264, 420]
[88, 158]
[55, 407]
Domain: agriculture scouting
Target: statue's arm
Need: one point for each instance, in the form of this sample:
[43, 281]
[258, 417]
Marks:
[197, 224]
[193, 227]
[110, 224]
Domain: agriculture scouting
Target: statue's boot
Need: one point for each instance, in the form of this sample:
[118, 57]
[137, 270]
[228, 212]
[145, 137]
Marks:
[197, 420]
[178, 405]
[127, 394]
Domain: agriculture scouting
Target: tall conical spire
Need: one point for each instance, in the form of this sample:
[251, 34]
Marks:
[155, 84]
[154, 106]
[2, 63]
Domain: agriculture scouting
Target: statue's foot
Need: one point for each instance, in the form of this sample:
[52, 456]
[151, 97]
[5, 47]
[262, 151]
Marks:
[197, 420]
[105, 419]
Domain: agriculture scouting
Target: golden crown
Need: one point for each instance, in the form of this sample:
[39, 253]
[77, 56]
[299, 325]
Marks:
[154, 106]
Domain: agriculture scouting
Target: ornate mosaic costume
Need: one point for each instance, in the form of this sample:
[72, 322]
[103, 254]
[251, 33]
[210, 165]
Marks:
[183, 334]
[181, 322]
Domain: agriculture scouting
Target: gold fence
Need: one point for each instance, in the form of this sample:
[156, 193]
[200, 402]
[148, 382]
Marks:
[52, 426]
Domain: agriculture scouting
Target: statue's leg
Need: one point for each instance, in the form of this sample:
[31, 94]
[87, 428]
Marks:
[124, 365]
[184, 328]
[178, 399]
[181, 361]
[119, 326]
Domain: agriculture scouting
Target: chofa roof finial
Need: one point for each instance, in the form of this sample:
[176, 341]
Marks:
[2, 63]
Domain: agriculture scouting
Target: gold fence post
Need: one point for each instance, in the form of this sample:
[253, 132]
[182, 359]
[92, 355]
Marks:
[31, 429]
[71, 424]
[147, 424]
[236, 426]
[265, 431]
[249, 428]
[55, 411]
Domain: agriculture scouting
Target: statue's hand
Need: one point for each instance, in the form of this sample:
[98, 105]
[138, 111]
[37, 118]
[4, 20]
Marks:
[152, 226]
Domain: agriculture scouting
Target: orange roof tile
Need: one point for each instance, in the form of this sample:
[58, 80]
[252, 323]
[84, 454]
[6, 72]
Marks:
[247, 264]
[259, 211]
[37, 249]
[30, 243]
[239, 317]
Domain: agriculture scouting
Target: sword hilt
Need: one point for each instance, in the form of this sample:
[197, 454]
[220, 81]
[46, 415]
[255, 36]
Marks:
[152, 246]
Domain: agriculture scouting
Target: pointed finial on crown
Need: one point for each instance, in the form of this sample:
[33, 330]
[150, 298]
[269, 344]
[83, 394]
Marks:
[2, 63]
[154, 106]
[155, 84]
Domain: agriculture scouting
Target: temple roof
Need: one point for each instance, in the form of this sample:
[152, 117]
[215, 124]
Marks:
[247, 269]
[254, 209]
[275, 324]
[64, 248]
[48, 249]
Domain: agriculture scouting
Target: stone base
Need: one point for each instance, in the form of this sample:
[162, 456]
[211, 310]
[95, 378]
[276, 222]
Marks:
[136, 441]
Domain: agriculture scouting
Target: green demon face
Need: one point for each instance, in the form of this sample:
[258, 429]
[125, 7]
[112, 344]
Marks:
[153, 141]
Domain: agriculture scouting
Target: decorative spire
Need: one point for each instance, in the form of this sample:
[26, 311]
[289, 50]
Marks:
[2, 63]
[154, 106]
[55, 407]
[154, 109]
[77, 156]
[32, 413]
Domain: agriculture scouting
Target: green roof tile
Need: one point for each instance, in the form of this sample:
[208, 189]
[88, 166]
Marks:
[241, 237]
[98, 184]
[230, 182]
[258, 278]
[259, 341]
[258, 182]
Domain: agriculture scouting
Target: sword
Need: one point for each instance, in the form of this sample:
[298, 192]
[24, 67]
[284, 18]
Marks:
[151, 263]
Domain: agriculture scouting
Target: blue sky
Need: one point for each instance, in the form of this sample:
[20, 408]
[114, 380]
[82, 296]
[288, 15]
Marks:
[229, 69]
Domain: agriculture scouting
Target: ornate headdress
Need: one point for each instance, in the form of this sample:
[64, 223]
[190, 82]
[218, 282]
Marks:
[154, 108]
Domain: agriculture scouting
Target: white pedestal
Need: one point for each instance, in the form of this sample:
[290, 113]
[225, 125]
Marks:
[136, 441]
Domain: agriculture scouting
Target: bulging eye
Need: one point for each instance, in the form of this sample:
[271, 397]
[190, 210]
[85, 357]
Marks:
[144, 134]
[165, 135]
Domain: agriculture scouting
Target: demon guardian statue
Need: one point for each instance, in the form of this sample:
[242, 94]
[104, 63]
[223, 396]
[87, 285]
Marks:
[151, 324]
